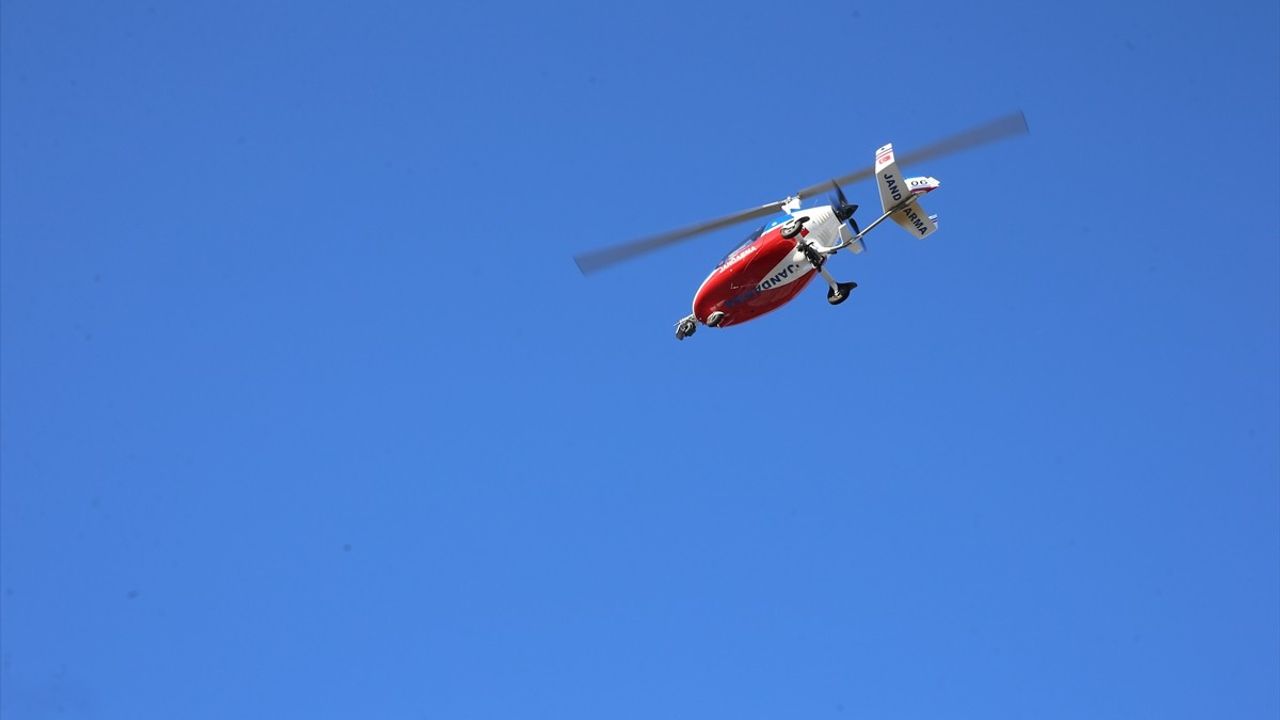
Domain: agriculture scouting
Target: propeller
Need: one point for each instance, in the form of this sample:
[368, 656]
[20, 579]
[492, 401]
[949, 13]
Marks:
[1002, 127]
[844, 209]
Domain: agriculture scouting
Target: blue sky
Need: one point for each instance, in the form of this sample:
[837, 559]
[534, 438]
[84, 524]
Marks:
[307, 412]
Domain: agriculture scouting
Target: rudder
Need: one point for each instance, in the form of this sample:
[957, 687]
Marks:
[893, 190]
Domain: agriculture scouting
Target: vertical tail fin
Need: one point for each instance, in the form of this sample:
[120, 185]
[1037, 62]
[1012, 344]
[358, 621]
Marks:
[896, 195]
[892, 189]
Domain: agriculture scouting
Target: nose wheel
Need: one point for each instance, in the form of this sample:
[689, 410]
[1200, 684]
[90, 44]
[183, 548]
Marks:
[686, 327]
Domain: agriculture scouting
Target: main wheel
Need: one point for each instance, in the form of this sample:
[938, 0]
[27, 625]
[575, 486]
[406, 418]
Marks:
[846, 288]
[793, 228]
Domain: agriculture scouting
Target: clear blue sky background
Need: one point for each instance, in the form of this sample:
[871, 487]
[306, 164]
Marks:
[307, 412]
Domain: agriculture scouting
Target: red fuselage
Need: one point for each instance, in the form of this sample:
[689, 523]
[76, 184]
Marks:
[762, 274]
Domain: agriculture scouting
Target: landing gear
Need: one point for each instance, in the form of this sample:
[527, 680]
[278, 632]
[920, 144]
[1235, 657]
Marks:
[793, 228]
[686, 327]
[839, 292]
[689, 325]
[814, 257]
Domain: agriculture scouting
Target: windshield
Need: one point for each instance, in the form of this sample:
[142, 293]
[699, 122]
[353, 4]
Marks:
[755, 235]
[750, 239]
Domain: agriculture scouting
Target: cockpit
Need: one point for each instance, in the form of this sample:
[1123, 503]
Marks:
[774, 222]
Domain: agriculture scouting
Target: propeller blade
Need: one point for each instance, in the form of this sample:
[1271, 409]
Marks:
[590, 262]
[844, 211]
[1002, 127]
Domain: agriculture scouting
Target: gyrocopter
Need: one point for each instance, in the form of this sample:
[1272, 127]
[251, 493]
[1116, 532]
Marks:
[779, 258]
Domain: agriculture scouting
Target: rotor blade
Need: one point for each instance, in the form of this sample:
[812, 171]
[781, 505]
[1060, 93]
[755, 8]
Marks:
[590, 262]
[998, 129]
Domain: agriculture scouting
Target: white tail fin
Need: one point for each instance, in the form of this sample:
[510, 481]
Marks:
[897, 195]
[892, 188]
